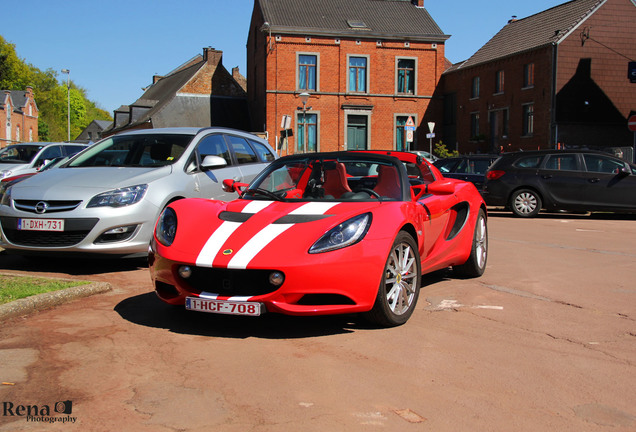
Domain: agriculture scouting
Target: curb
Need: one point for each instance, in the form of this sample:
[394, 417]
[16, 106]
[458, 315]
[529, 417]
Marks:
[43, 301]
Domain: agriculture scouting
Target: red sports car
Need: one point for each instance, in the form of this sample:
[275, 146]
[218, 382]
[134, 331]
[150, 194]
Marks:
[321, 233]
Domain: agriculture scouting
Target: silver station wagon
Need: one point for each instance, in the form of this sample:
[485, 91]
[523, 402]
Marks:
[106, 199]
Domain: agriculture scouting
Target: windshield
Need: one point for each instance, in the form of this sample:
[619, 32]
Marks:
[19, 153]
[335, 179]
[148, 150]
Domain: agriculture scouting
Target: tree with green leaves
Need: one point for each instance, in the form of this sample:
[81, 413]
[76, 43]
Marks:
[442, 152]
[50, 96]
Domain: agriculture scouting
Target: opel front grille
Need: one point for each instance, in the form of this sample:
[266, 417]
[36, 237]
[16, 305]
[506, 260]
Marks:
[44, 206]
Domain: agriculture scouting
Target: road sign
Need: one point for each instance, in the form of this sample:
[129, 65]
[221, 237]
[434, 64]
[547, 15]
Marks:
[410, 122]
[631, 123]
[286, 122]
[431, 126]
[409, 136]
[409, 128]
[430, 135]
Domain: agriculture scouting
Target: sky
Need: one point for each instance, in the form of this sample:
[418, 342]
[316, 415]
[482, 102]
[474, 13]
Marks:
[113, 48]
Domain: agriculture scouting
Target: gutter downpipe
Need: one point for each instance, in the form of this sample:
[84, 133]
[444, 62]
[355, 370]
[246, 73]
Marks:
[554, 127]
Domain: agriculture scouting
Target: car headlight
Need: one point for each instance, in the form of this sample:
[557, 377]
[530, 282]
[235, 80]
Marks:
[166, 228]
[5, 191]
[5, 173]
[347, 233]
[119, 197]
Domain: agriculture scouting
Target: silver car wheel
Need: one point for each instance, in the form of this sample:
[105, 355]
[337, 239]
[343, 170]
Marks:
[400, 285]
[401, 278]
[525, 203]
[481, 242]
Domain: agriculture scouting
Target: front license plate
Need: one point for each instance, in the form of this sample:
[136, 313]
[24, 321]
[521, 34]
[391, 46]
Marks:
[223, 306]
[41, 224]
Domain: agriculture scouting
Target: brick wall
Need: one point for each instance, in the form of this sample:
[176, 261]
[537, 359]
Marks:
[273, 88]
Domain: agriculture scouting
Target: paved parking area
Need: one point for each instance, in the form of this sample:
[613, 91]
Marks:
[545, 340]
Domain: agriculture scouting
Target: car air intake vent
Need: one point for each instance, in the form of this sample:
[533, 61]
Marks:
[45, 239]
[41, 206]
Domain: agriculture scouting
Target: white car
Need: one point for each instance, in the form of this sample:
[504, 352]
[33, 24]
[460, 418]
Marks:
[106, 199]
[27, 158]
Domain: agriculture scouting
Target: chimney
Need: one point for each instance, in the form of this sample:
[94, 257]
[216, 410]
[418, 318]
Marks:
[418, 3]
[240, 79]
[212, 56]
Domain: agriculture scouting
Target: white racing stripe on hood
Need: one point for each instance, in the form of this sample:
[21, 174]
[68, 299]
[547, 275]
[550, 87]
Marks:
[223, 232]
[270, 232]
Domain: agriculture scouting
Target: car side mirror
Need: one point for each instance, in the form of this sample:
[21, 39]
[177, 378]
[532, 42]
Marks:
[623, 172]
[231, 185]
[211, 161]
[439, 187]
[442, 187]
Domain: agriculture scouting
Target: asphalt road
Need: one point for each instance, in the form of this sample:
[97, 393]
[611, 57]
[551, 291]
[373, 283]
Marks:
[544, 341]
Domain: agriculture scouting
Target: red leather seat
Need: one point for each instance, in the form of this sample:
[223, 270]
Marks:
[388, 182]
[335, 180]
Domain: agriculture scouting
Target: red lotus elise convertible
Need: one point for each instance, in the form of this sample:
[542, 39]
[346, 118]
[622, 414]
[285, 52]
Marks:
[321, 233]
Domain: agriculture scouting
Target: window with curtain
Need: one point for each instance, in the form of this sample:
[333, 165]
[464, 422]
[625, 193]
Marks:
[307, 68]
[474, 89]
[400, 133]
[528, 75]
[406, 76]
[307, 139]
[358, 74]
[528, 120]
[474, 125]
[499, 82]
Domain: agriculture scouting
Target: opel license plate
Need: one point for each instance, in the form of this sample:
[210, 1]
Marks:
[40, 224]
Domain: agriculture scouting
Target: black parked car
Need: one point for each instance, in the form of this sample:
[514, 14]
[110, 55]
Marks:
[470, 168]
[571, 180]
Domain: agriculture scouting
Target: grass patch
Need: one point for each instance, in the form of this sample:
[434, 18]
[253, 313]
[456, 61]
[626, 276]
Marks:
[18, 287]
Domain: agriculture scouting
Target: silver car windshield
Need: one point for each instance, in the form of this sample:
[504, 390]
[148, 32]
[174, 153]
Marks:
[19, 153]
[151, 150]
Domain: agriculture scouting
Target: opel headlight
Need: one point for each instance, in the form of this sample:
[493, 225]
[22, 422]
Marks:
[119, 197]
[166, 228]
[5, 193]
[343, 235]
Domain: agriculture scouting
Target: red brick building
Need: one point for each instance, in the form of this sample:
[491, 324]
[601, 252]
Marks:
[557, 78]
[18, 117]
[367, 66]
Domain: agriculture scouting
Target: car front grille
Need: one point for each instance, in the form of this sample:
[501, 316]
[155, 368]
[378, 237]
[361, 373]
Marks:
[230, 282]
[75, 230]
[44, 206]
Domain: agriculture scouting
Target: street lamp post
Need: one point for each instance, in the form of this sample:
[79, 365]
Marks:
[68, 98]
[304, 98]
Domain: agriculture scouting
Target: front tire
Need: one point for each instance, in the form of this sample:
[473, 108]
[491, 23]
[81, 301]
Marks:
[525, 203]
[400, 285]
[476, 263]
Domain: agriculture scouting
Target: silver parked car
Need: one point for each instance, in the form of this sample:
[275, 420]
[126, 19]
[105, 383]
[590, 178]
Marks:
[27, 158]
[106, 199]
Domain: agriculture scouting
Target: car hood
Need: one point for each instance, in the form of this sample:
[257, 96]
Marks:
[82, 183]
[15, 167]
[234, 234]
